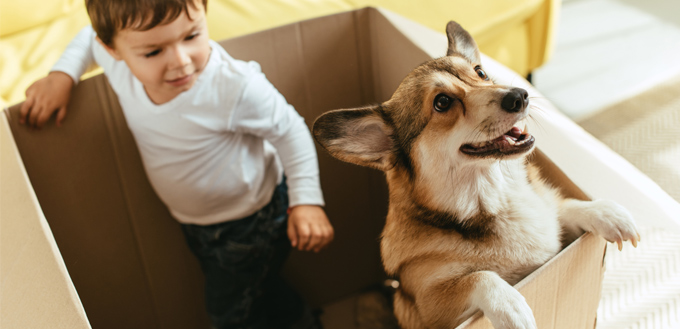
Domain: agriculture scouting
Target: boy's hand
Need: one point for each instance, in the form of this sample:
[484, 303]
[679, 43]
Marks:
[44, 97]
[309, 228]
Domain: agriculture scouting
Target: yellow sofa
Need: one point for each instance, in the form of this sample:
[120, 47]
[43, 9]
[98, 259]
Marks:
[518, 33]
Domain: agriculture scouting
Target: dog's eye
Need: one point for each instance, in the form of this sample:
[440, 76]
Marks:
[442, 103]
[481, 73]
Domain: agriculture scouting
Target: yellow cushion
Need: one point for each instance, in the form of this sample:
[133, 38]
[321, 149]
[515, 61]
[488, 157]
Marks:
[28, 55]
[518, 33]
[237, 17]
[22, 15]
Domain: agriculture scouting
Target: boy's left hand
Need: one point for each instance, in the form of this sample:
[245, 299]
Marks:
[309, 228]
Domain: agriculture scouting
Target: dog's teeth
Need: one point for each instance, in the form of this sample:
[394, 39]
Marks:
[510, 140]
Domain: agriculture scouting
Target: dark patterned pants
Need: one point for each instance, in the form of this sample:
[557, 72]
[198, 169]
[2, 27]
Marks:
[242, 260]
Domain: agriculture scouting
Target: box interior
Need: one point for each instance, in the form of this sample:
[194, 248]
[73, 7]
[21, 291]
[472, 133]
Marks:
[127, 257]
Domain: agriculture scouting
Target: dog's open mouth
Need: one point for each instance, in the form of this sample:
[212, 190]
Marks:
[514, 141]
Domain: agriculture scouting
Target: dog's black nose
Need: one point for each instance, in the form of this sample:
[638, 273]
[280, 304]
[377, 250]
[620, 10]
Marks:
[515, 100]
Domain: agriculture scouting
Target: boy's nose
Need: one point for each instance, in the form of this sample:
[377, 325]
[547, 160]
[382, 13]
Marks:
[181, 57]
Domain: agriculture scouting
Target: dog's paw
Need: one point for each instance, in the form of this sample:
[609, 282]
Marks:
[509, 310]
[613, 222]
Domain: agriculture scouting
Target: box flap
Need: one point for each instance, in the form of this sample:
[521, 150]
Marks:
[31, 267]
[563, 293]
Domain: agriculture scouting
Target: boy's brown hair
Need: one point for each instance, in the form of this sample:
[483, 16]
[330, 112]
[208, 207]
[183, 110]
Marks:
[110, 16]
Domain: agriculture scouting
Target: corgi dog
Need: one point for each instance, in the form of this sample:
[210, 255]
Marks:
[468, 215]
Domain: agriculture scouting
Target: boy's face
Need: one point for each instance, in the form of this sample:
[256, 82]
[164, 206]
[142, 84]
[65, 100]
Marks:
[168, 58]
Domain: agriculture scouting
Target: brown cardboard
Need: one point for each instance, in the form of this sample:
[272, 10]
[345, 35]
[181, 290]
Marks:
[559, 296]
[126, 256]
[32, 273]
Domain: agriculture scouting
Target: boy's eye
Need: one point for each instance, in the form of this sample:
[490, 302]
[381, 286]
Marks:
[191, 37]
[153, 53]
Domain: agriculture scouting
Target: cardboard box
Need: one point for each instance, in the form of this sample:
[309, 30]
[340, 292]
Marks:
[125, 263]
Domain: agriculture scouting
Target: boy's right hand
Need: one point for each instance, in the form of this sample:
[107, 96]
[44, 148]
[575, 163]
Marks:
[46, 96]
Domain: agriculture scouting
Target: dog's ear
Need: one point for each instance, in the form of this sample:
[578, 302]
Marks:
[360, 136]
[460, 42]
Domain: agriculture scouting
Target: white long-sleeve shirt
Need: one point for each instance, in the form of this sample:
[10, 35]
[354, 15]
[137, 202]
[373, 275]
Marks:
[217, 151]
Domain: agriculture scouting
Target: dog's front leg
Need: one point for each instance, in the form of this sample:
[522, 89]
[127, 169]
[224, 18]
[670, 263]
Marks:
[483, 290]
[605, 218]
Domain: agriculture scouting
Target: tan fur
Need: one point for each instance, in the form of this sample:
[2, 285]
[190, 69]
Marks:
[461, 227]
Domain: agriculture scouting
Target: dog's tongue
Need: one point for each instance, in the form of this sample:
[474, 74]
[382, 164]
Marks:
[514, 132]
[513, 141]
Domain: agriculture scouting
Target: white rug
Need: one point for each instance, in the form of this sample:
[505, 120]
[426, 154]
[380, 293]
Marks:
[641, 286]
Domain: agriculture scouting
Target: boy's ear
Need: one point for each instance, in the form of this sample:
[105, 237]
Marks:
[110, 50]
[460, 42]
[360, 136]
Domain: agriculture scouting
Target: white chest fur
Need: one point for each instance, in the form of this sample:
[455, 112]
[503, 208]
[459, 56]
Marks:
[525, 228]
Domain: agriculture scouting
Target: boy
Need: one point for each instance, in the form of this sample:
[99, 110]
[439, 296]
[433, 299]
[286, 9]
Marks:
[215, 137]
